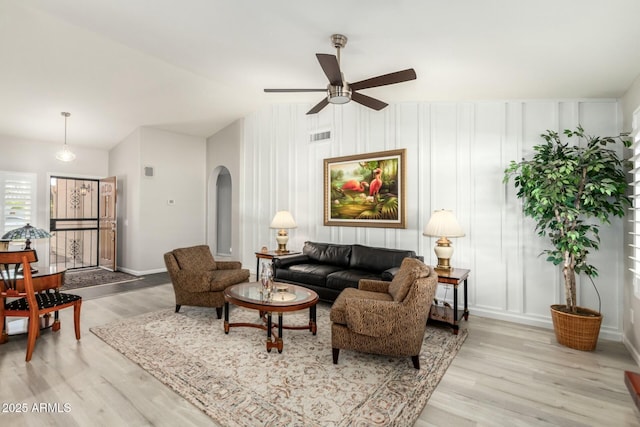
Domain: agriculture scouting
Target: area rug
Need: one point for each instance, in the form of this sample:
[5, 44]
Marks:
[234, 380]
[74, 279]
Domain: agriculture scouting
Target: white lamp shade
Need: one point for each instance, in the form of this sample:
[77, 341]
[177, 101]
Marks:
[283, 219]
[443, 224]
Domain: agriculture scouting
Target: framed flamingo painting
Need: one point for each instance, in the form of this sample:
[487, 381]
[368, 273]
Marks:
[365, 190]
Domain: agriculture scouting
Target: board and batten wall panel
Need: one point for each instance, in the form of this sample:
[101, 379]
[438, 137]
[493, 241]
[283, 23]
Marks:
[456, 156]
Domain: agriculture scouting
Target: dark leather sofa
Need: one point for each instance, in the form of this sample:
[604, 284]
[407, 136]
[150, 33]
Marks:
[329, 268]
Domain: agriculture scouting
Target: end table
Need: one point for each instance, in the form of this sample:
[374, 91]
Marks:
[452, 315]
[270, 255]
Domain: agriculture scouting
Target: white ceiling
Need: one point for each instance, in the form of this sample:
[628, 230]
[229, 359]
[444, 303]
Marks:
[194, 66]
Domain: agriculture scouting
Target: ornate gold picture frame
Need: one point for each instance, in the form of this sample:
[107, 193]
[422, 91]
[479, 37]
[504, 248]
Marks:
[365, 190]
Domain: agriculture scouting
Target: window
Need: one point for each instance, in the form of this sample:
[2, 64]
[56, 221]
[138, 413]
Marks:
[17, 199]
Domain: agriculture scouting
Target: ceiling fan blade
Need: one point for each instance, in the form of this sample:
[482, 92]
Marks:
[294, 90]
[331, 68]
[386, 79]
[368, 101]
[319, 106]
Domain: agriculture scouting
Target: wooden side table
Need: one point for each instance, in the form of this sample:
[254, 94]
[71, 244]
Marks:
[270, 255]
[452, 315]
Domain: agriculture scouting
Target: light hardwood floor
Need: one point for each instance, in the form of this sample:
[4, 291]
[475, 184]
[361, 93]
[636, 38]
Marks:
[504, 375]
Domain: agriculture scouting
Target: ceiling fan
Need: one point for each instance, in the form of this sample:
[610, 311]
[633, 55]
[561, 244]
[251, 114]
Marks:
[339, 91]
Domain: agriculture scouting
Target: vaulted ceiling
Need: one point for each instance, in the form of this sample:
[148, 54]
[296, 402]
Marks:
[194, 66]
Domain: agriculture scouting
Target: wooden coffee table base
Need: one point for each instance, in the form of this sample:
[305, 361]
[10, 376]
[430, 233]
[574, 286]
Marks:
[274, 338]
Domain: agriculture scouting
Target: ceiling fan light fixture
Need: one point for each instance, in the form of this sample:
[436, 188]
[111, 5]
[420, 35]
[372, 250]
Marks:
[339, 94]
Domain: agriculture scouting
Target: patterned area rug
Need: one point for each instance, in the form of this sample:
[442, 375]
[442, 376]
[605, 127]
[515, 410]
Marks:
[75, 279]
[234, 380]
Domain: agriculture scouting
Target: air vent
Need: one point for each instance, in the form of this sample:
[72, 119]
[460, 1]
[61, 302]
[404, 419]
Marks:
[320, 136]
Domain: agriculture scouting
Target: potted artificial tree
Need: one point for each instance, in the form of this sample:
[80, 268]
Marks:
[570, 191]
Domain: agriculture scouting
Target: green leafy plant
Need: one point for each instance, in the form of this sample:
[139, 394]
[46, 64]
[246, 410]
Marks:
[564, 188]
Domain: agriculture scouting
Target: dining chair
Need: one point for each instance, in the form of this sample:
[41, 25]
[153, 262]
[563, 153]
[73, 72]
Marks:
[20, 298]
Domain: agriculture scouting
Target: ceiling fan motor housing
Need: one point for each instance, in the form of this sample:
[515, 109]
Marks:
[339, 94]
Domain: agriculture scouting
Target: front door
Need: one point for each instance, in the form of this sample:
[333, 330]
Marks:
[74, 222]
[107, 227]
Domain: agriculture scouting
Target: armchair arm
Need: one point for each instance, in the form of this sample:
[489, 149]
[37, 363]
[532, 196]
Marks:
[373, 318]
[228, 265]
[373, 285]
[193, 281]
[286, 261]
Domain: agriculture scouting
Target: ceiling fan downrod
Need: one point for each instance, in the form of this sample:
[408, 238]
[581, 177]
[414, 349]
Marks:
[339, 94]
[339, 41]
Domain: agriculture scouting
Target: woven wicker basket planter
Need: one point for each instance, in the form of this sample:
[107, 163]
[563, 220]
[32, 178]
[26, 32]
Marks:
[574, 330]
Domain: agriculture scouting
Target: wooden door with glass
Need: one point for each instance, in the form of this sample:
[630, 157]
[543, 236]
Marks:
[107, 225]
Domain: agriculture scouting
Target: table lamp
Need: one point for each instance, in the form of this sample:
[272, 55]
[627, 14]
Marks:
[27, 233]
[443, 224]
[282, 221]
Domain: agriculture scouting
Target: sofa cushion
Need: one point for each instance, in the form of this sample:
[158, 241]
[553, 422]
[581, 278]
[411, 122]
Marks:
[410, 270]
[327, 253]
[195, 258]
[377, 259]
[389, 274]
[349, 278]
[286, 261]
[312, 274]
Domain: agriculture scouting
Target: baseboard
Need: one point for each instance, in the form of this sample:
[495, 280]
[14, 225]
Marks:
[141, 272]
[631, 349]
[154, 271]
[540, 322]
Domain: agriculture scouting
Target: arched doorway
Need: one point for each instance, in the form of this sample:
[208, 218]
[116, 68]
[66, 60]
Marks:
[220, 191]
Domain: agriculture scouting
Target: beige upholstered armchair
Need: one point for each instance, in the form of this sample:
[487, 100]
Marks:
[198, 279]
[386, 318]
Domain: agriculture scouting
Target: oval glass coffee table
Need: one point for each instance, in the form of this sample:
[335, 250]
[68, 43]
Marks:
[285, 297]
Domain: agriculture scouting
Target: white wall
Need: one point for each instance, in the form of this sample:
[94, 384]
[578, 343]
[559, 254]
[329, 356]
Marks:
[224, 150]
[630, 102]
[21, 155]
[148, 225]
[456, 154]
[124, 164]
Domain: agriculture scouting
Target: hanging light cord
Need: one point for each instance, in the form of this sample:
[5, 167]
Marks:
[66, 115]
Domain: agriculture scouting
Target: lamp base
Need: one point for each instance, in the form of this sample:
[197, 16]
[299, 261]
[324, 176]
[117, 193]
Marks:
[443, 264]
[444, 251]
[33, 270]
[282, 238]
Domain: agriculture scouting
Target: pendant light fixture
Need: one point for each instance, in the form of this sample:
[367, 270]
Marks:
[65, 155]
